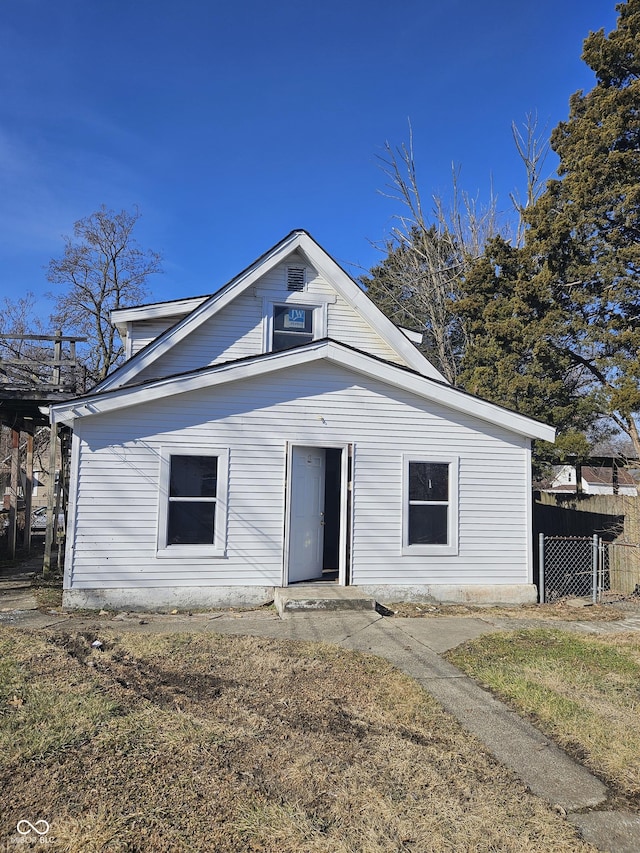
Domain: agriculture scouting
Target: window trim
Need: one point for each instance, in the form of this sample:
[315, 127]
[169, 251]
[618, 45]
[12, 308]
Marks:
[317, 306]
[451, 548]
[218, 547]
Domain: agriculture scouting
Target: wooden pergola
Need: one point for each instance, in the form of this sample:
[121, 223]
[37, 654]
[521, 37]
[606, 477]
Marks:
[28, 386]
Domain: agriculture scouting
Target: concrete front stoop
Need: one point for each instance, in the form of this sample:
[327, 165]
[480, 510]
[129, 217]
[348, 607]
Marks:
[320, 598]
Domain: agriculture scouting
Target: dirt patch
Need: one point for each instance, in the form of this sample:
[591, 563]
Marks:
[558, 611]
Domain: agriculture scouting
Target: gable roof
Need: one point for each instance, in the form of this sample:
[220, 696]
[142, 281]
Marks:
[301, 242]
[155, 311]
[604, 476]
[331, 351]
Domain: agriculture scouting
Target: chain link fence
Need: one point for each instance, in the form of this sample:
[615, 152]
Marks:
[587, 567]
[568, 567]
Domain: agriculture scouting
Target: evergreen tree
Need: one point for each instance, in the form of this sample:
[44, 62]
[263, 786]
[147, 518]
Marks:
[550, 327]
[513, 357]
[584, 232]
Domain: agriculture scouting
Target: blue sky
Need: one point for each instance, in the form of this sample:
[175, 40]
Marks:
[230, 124]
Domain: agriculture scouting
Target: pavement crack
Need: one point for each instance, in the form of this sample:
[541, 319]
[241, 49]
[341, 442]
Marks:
[415, 641]
[360, 629]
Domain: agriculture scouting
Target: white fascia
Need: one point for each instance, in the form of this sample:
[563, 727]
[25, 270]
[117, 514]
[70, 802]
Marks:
[157, 310]
[414, 337]
[219, 374]
[361, 303]
[445, 394]
[200, 314]
[123, 318]
[345, 357]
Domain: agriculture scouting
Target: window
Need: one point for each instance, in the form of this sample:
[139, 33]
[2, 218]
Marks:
[430, 513]
[293, 319]
[193, 488]
[193, 502]
[292, 326]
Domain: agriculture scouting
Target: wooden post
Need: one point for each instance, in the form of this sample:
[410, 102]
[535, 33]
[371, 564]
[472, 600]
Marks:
[73, 376]
[28, 492]
[13, 494]
[51, 522]
[57, 357]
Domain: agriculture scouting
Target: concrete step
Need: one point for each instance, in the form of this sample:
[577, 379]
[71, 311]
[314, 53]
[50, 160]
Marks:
[320, 598]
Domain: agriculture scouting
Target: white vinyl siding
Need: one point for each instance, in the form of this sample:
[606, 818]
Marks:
[143, 333]
[348, 327]
[234, 332]
[116, 509]
[241, 328]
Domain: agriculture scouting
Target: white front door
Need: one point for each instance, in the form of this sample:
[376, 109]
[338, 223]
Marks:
[307, 513]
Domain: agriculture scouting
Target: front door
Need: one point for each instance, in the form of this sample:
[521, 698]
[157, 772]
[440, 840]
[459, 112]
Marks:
[306, 536]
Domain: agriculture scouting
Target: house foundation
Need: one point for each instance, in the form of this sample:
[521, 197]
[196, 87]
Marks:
[331, 596]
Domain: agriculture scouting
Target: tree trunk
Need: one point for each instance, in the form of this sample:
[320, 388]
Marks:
[634, 436]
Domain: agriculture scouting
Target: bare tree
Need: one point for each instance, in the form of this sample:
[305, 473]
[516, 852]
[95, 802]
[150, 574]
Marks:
[22, 360]
[532, 147]
[428, 255]
[101, 270]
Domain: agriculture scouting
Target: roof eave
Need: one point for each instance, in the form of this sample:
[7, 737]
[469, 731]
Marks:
[198, 315]
[340, 354]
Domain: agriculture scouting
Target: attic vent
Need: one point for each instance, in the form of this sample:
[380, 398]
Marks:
[295, 278]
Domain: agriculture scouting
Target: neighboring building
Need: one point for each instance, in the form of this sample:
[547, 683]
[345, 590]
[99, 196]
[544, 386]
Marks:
[594, 480]
[284, 430]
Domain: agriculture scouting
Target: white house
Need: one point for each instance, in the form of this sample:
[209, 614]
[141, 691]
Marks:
[284, 430]
[594, 480]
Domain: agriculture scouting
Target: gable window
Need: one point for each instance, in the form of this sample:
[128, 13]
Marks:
[293, 319]
[430, 518]
[292, 326]
[193, 501]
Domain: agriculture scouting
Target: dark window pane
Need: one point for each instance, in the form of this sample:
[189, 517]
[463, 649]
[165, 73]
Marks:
[298, 320]
[292, 327]
[428, 525]
[428, 481]
[193, 477]
[283, 340]
[191, 523]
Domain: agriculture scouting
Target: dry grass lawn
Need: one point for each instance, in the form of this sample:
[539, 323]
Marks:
[216, 744]
[584, 691]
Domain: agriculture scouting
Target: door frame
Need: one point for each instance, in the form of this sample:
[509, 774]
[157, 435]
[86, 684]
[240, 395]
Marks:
[345, 505]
